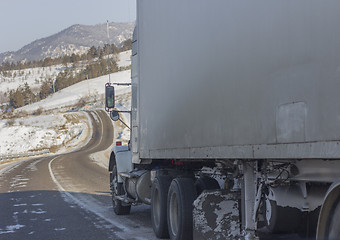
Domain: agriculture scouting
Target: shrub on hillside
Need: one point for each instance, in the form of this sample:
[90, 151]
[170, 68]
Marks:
[10, 122]
[38, 112]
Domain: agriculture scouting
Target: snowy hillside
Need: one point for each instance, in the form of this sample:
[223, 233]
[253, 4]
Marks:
[75, 39]
[62, 124]
[33, 77]
[93, 89]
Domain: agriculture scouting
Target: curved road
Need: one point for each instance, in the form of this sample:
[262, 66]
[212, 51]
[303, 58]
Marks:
[67, 196]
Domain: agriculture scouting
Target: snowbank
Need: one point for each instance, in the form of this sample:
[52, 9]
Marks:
[55, 133]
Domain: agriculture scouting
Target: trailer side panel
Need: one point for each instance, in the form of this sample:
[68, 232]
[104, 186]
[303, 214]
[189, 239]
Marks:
[228, 77]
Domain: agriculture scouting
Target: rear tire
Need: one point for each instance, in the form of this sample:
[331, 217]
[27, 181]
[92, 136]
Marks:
[159, 194]
[334, 224]
[116, 190]
[181, 196]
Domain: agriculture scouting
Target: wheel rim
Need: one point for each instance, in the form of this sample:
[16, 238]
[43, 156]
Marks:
[173, 214]
[156, 207]
[114, 192]
[114, 187]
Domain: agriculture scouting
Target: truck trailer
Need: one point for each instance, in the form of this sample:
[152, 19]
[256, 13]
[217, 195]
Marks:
[235, 119]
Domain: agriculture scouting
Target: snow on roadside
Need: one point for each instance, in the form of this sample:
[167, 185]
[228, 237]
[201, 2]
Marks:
[11, 228]
[53, 132]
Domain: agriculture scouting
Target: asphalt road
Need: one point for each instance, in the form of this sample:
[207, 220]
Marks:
[67, 196]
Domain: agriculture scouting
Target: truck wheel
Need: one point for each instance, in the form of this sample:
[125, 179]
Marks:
[181, 196]
[116, 190]
[159, 194]
[334, 224]
[206, 183]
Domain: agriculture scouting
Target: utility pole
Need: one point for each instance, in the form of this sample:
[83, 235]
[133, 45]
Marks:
[53, 84]
[108, 38]
[88, 83]
[107, 30]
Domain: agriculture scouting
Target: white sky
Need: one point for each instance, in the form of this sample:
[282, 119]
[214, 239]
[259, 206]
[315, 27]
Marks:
[22, 21]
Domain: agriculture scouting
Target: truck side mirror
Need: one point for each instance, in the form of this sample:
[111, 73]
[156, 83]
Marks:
[114, 115]
[109, 97]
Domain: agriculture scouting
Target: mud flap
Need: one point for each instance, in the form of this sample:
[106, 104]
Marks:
[216, 216]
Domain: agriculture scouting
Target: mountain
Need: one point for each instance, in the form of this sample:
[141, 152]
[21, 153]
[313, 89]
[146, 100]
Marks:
[75, 39]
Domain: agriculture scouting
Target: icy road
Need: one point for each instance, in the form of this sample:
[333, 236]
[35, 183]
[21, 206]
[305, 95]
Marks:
[66, 197]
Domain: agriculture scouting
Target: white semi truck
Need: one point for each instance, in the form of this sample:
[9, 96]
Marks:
[235, 119]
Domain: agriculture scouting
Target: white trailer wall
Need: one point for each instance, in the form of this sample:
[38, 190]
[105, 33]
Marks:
[239, 78]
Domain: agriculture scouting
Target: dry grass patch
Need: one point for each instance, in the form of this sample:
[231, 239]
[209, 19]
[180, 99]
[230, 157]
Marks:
[54, 148]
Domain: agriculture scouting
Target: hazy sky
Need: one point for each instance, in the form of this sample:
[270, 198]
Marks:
[23, 21]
